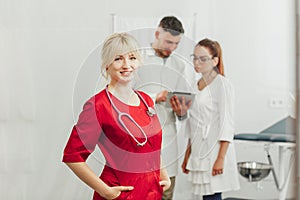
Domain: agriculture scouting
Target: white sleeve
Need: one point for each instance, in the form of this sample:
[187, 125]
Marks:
[226, 110]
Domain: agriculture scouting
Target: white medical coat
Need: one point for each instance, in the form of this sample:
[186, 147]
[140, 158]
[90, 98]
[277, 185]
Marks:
[211, 121]
[171, 74]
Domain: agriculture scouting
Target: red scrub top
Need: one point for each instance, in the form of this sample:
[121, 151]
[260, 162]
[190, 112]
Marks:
[127, 163]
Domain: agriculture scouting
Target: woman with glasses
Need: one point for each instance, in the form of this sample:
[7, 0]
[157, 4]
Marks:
[210, 159]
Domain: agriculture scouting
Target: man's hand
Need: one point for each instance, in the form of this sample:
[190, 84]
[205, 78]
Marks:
[161, 97]
[180, 106]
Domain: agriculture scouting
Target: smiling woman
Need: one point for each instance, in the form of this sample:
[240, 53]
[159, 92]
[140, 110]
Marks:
[116, 47]
[119, 122]
[122, 68]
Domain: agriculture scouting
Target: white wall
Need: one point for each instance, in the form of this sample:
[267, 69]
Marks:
[45, 44]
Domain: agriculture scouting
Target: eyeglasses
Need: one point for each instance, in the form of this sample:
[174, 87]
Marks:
[201, 59]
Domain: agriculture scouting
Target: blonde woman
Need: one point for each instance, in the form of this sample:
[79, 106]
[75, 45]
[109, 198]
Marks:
[122, 122]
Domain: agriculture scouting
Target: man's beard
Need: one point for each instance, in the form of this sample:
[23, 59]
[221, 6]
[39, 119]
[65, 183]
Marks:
[163, 53]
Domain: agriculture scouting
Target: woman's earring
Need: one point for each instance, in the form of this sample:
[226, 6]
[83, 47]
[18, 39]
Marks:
[106, 72]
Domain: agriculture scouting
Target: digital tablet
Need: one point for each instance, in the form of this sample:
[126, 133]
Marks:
[187, 96]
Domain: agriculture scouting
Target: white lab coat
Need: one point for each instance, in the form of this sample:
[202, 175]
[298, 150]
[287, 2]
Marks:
[171, 74]
[211, 121]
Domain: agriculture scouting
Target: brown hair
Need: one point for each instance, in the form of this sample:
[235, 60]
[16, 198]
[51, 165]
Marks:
[215, 50]
[172, 25]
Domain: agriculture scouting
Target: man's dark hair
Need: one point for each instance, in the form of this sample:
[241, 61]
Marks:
[172, 25]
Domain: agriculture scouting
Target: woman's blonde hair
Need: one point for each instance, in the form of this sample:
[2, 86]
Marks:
[119, 44]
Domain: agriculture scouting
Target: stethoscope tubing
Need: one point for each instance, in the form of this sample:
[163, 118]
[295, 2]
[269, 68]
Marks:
[150, 113]
[136, 124]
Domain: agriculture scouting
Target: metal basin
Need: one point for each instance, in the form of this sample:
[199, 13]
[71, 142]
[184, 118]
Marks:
[254, 171]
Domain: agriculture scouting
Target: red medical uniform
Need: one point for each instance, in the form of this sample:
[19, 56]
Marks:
[127, 163]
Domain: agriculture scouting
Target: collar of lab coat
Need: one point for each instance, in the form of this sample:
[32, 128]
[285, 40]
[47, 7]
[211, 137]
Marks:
[150, 52]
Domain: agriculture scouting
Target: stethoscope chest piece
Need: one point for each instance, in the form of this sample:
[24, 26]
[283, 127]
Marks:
[151, 112]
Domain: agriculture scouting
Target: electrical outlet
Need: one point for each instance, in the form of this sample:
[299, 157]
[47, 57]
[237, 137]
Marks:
[277, 103]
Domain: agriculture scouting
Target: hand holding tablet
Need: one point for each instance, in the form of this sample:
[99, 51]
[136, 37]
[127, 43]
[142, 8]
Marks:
[187, 96]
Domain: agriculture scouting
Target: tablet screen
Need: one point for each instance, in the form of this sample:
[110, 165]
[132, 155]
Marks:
[187, 96]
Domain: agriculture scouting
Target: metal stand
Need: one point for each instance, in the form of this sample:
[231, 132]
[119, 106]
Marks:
[282, 183]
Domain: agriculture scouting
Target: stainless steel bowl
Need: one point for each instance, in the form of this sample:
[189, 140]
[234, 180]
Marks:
[254, 171]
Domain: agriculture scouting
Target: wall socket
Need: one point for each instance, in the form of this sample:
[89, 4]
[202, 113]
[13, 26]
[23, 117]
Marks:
[277, 103]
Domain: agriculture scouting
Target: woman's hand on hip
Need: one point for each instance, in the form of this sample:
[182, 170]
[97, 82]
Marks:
[165, 184]
[115, 191]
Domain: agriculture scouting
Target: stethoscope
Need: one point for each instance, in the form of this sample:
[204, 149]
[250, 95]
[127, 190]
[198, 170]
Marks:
[150, 112]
